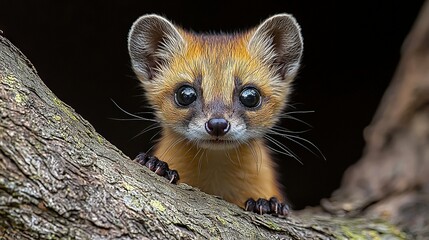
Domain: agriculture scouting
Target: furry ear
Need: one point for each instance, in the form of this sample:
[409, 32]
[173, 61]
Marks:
[152, 41]
[278, 42]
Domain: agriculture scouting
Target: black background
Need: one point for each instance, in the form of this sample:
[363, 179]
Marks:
[351, 50]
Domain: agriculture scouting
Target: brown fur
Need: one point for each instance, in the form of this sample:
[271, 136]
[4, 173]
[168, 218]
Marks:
[218, 66]
[235, 175]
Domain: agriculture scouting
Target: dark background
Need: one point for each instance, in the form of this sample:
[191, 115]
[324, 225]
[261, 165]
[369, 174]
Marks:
[350, 54]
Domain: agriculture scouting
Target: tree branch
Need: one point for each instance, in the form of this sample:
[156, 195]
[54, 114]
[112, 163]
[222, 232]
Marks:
[59, 178]
[392, 178]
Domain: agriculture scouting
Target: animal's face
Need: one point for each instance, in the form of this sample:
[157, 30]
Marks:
[216, 90]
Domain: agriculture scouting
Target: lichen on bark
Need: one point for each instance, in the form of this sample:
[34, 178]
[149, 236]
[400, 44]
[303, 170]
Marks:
[60, 179]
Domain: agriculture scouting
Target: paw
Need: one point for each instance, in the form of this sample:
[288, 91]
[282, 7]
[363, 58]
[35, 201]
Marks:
[262, 206]
[157, 166]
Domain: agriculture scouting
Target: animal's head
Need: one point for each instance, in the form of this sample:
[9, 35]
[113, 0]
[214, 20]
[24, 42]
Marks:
[217, 90]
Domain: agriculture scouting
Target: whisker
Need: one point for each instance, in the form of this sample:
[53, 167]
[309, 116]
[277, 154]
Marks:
[145, 112]
[155, 135]
[199, 161]
[294, 105]
[296, 119]
[291, 138]
[285, 150]
[127, 119]
[281, 152]
[131, 114]
[178, 140]
[284, 130]
[229, 157]
[260, 155]
[198, 151]
[150, 148]
[255, 156]
[189, 148]
[205, 153]
[237, 153]
[169, 147]
[147, 129]
[297, 112]
[173, 145]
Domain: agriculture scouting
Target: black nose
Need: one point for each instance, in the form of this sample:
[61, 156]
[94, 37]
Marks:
[217, 126]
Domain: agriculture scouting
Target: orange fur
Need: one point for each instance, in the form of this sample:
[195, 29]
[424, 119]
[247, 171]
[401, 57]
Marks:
[237, 166]
[235, 175]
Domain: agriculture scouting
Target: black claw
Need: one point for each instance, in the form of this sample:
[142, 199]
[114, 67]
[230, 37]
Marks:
[160, 168]
[141, 158]
[151, 163]
[157, 166]
[172, 176]
[284, 210]
[275, 205]
[250, 205]
[262, 206]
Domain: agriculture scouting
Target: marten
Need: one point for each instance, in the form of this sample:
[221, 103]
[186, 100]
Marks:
[216, 96]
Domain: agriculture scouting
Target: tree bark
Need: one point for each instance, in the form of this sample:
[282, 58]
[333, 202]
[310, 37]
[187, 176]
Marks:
[60, 179]
[392, 178]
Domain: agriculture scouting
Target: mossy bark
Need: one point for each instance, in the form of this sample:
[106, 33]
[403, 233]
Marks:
[60, 179]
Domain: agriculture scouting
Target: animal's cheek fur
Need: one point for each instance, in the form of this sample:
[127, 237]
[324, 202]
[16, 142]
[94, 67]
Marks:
[162, 100]
[260, 118]
[170, 114]
[266, 115]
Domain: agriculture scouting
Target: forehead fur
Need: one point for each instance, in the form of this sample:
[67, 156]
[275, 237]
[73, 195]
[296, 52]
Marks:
[219, 61]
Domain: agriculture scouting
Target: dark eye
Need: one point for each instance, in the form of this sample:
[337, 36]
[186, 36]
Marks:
[250, 97]
[185, 95]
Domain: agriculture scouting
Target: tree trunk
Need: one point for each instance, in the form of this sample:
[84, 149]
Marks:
[392, 178]
[60, 179]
